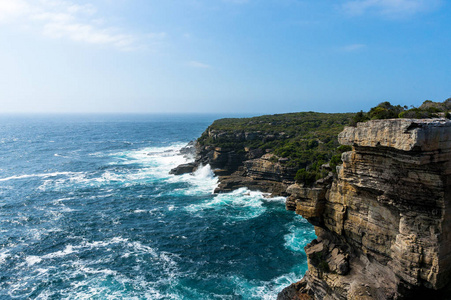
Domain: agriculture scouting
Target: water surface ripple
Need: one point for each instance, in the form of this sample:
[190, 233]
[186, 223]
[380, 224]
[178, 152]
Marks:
[88, 210]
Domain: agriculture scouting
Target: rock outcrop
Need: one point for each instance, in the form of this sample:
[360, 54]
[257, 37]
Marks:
[384, 223]
[238, 167]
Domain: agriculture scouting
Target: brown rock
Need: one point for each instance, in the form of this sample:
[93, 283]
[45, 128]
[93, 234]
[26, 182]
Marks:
[384, 225]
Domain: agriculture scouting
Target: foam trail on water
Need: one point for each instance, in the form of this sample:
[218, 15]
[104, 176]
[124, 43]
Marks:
[202, 181]
[300, 234]
[241, 204]
[149, 164]
[267, 290]
[42, 175]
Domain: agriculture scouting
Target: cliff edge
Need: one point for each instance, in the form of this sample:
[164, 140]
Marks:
[268, 153]
[384, 222]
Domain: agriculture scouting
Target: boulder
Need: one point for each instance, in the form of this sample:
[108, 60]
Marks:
[183, 169]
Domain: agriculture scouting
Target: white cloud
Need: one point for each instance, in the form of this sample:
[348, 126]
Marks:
[11, 9]
[65, 19]
[390, 8]
[353, 47]
[199, 65]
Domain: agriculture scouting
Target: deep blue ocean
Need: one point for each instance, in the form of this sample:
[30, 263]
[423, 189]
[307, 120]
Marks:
[89, 211]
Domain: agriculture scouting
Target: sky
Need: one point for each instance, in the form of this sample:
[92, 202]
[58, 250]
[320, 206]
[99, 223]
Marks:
[222, 56]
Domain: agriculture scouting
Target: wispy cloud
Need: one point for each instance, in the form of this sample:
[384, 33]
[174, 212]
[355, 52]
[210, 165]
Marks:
[197, 64]
[353, 47]
[65, 19]
[390, 8]
[10, 10]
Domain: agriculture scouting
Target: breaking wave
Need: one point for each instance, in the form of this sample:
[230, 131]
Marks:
[89, 210]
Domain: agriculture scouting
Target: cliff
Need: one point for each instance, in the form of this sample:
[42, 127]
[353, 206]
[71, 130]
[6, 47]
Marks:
[265, 153]
[384, 223]
[256, 169]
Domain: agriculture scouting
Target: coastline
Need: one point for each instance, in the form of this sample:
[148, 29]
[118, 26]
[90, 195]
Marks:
[341, 249]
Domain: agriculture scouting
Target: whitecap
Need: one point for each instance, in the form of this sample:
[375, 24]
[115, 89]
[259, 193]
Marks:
[68, 250]
[106, 243]
[241, 204]
[32, 259]
[257, 289]
[3, 256]
[300, 234]
[154, 163]
[202, 181]
[42, 175]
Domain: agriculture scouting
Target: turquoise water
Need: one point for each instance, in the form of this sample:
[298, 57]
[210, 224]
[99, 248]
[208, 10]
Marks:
[88, 210]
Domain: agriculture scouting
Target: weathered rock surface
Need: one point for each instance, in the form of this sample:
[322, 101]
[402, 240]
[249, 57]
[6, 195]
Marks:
[384, 225]
[269, 167]
[182, 169]
[255, 169]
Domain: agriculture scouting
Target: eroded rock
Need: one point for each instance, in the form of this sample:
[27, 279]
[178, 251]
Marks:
[183, 169]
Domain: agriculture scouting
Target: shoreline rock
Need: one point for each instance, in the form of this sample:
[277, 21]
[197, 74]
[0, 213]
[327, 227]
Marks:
[183, 169]
[252, 168]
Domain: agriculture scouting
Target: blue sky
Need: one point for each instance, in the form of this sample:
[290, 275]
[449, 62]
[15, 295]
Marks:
[222, 56]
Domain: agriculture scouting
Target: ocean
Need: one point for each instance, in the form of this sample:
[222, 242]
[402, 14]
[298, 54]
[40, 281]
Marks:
[88, 210]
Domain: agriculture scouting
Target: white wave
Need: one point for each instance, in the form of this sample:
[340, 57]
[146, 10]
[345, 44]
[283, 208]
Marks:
[32, 259]
[158, 161]
[280, 199]
[68, 250]
[93, 278]
[101, 244]
[300, 234]
[3, 256]
[45, 295]
[154, 163]
[112, 284]
[42, 175]
[88, 270]
[202, 181]
[241, 204]
[267, 290]
[57, 201]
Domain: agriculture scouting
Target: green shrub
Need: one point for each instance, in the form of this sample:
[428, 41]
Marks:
[304, 176]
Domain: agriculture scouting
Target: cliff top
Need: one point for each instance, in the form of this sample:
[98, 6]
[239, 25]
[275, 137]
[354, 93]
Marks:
[400, 134]
[305, 140]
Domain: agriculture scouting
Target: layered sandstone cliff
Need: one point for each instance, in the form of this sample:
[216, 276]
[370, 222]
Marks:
[384, 224]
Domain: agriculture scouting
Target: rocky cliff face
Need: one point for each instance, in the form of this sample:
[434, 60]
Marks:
[384, 224]
[237, 167]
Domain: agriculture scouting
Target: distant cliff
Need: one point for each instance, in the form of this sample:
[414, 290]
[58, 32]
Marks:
[384, 223]
[269, 153]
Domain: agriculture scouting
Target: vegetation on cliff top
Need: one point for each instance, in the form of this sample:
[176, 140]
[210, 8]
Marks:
[386, 110]
[307, 140]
